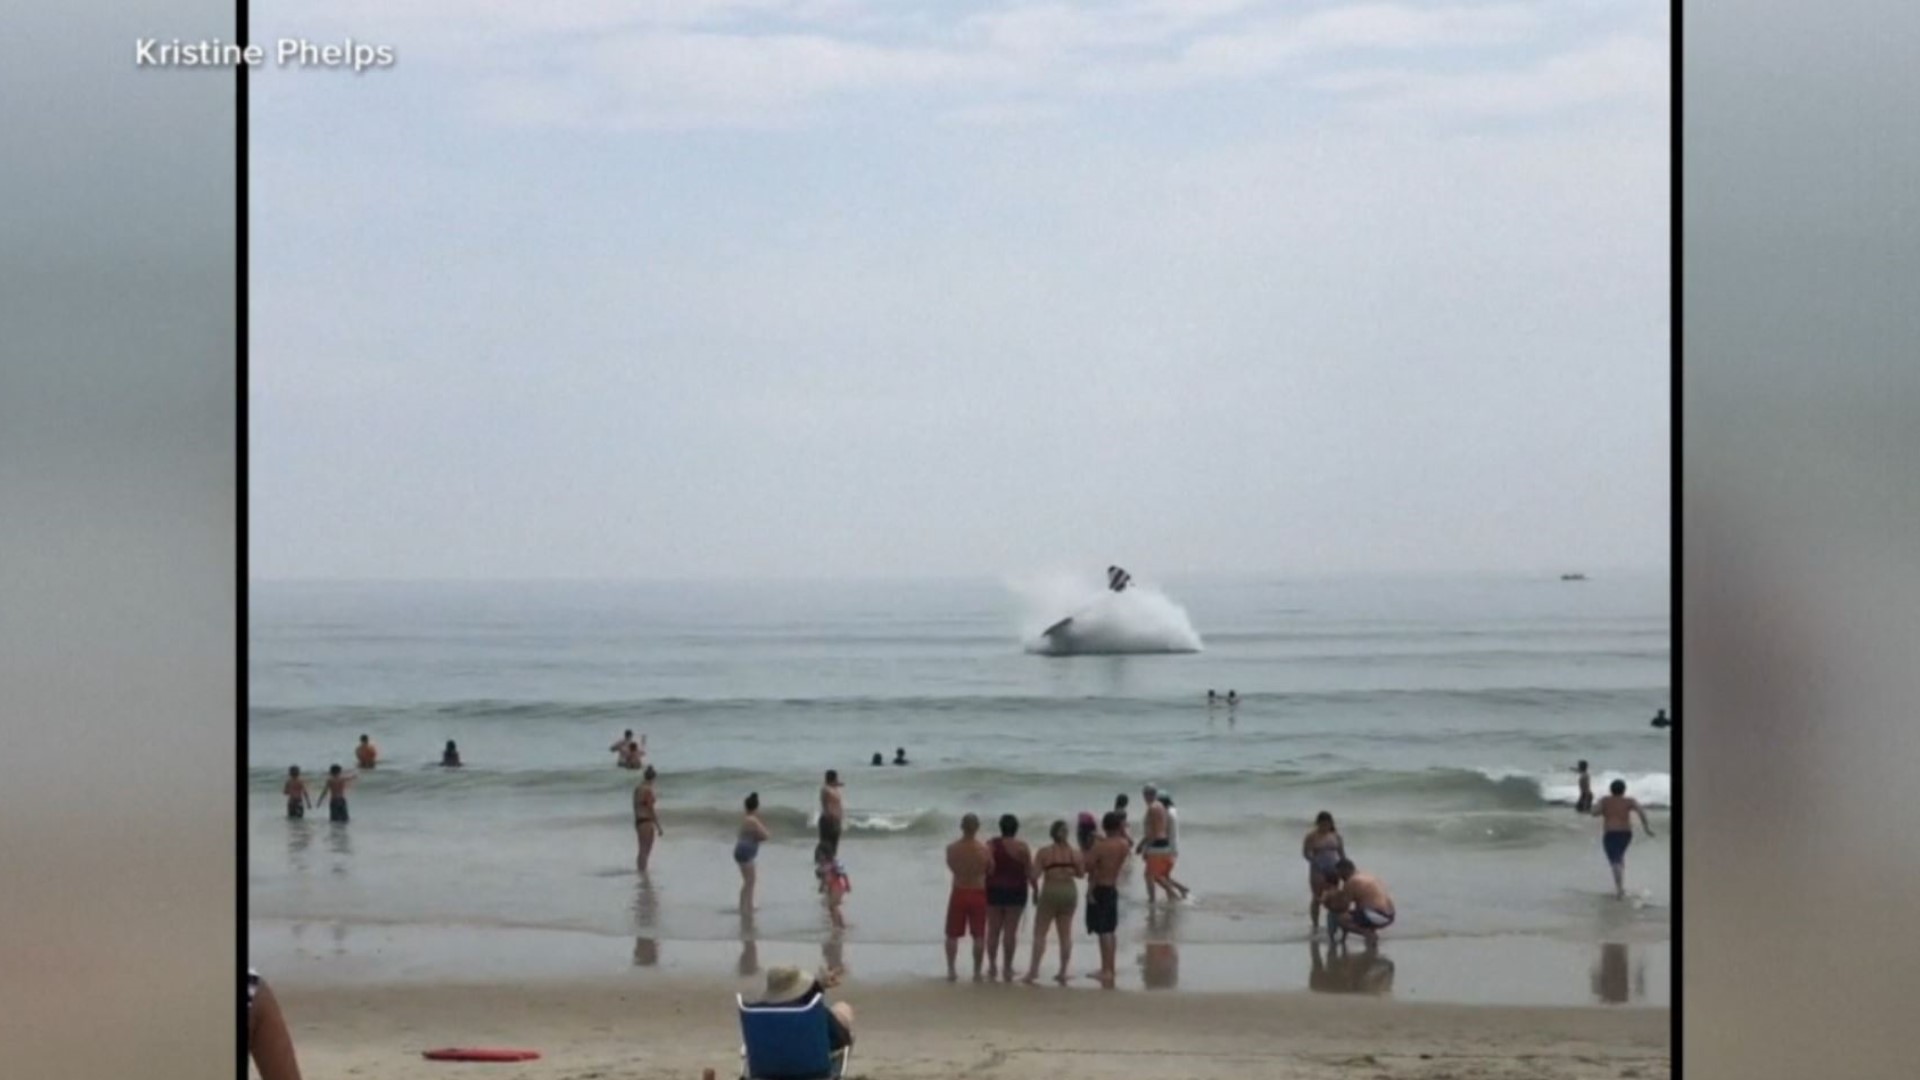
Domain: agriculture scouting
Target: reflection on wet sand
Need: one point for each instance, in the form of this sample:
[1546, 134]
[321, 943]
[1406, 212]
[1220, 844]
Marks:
[833, 953]
[749, 964]
[1160, 956]
[646, 914]
[1615, 980]
[299, 839]
[1337, 970]
[340, 843]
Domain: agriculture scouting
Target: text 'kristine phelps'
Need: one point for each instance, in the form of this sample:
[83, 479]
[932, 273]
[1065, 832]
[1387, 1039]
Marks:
[357, 56]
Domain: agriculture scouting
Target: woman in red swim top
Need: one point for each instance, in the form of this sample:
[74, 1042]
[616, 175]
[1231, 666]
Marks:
[1007, 885]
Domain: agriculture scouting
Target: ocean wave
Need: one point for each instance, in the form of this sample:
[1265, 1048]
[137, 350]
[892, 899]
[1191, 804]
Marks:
[637, 711]
[700, 789]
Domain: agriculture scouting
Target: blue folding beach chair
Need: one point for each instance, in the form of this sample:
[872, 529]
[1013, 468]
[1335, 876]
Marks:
[789, 1042]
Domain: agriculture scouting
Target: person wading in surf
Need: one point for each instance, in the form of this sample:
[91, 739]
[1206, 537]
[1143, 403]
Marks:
[1617, 811]
[646, 818]
[1323, 849]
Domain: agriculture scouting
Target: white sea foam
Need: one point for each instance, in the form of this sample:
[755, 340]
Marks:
[1140, 620]
[1652, 789]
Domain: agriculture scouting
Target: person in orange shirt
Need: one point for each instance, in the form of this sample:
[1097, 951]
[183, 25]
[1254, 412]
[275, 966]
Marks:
[366, 754]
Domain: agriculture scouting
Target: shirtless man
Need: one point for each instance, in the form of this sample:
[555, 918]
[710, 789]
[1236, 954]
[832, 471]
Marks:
[969, 860]
[335, 795]
[832, 813]
[1362, 901]
[296, 793]
[1584, 804]
[1617, 811]
[1157, 845]
[366, 755]
[1103, 892]
[633, 754]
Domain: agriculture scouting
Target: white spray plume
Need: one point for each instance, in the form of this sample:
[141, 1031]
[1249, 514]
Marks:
[1141, 619]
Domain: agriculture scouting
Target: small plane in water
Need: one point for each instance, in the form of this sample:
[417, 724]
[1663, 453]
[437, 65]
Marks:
[1117, 581]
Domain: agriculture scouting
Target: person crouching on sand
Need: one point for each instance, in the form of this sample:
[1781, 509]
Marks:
[646, 819]
[746, 849]
[1361, 900]
[1008, 880]
[1055, 898]
[968, 860]
[1103, 892]
[366, 755]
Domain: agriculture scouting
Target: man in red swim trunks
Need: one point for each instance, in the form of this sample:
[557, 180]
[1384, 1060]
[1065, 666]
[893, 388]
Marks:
[969, 860]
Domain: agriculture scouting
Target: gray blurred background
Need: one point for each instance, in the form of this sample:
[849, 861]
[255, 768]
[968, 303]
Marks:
[117, 548]
[1801, 519]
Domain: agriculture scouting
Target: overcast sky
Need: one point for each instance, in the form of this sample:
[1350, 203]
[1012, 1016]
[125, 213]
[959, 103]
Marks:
[750, 288]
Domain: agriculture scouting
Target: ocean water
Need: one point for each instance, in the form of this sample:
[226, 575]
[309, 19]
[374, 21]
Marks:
[1438, 720]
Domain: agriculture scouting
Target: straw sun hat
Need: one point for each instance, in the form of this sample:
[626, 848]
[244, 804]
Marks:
[786, 984]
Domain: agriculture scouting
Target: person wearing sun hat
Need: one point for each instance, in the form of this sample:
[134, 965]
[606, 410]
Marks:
[788, 986]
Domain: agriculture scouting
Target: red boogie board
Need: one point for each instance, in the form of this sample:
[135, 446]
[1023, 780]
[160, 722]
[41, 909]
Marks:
[479, 1053]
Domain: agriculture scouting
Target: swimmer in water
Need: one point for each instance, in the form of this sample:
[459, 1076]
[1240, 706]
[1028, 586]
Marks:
[450, 757]
[366, 755]
[900, 755]
[633, 754]
[1323, 849]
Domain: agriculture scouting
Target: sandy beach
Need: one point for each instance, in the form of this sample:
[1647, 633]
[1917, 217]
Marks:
[607, 1029]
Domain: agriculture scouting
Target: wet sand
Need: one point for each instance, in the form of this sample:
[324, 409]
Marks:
[675, 1026]
[1506, 970]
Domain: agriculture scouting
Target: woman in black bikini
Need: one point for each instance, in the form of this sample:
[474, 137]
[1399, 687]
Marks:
[1007, 884]
[646, 823]
[1055, 899]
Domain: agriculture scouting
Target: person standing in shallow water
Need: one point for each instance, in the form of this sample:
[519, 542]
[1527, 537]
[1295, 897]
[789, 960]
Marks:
[968, 860]
[366, 755]
[1584, 804]
[450, 757]
[646, 819]
[746, 850]
[1103, 893]
[1617, 812]
[832, 816]
[335, 795]
[1323, 849]
[296, 792]
[1008, 880]
[1055, 898]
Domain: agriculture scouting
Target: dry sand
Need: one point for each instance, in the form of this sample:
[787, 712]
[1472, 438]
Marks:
[611, 1030]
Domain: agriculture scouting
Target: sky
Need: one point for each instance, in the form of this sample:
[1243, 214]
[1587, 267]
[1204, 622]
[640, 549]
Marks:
[826, 288]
